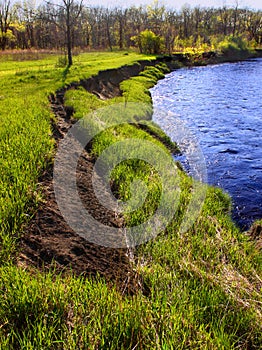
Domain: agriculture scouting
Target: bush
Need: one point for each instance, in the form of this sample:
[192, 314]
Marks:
[233, 46]
[148, 42]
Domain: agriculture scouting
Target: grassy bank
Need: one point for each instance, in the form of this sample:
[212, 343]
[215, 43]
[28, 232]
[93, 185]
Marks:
[25, 135]
[202, 288]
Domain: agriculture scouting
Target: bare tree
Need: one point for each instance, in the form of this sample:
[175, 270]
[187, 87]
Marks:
[68, 23]
[121, 18]
[5, 20]
[108, 23]
[65, 17]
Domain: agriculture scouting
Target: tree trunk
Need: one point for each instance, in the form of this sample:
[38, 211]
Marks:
[69, 38]
[120, 34]
[108, 33]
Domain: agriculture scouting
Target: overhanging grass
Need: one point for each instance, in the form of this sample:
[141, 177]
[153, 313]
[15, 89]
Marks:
[209, 274]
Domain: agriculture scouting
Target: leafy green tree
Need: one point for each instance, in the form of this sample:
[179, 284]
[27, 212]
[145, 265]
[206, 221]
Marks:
[148, 42]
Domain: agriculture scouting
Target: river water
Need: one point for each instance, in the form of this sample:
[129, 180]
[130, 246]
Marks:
[222, 107]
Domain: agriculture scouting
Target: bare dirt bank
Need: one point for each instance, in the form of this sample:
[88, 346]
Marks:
[48, 240]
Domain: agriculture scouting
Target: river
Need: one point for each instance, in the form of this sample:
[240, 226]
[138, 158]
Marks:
[222, 106]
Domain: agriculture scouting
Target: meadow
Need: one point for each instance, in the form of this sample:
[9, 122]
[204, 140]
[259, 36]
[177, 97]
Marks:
[201, 288]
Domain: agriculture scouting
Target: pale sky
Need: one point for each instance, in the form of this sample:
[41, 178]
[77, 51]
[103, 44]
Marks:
[177, 4]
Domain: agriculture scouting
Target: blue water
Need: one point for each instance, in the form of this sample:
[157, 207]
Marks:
[222, 106]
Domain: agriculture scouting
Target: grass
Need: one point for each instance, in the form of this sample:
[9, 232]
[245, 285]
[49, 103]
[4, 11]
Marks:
[203, 287]
[26, 144]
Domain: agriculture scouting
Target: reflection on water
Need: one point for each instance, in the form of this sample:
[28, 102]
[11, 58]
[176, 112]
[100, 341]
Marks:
[222, 106]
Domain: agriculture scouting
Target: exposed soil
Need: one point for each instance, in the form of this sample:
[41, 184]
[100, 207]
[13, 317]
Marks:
[48, 240]
[255, 234]
[106, 84]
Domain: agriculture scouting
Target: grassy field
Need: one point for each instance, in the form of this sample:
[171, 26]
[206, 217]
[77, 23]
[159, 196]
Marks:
[203, 287]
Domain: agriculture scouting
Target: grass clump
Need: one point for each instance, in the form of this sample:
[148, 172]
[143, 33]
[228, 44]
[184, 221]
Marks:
[86, 102]
[185, 308]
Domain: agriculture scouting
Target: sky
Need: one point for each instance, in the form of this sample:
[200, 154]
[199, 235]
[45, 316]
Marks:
[177, 4]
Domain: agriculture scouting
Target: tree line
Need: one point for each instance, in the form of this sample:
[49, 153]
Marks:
[70, 24]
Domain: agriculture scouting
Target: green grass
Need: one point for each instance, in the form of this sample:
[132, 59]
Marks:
[210, 272]
[202, 287]
[26, 144]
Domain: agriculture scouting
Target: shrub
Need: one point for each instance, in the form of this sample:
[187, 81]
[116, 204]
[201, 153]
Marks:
[233, 46]
[148, 42]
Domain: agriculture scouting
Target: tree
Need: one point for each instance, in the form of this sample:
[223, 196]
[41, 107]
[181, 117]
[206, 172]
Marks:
[107, 20]
[170, 30]
[5, 20]
[65, 17]
[254, 26]
[156, 16]
[121, 18]
[23, 23]
[68, 23]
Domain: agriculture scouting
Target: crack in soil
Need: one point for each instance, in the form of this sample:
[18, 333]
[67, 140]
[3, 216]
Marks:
[48, 241]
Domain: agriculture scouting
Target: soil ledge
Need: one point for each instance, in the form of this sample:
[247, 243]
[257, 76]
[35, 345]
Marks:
[48, 241]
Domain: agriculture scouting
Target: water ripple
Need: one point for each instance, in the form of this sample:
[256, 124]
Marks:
[222, 105]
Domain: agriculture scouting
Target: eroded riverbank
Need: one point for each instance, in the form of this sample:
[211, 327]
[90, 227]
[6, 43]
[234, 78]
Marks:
[199, 288]
[49, 240]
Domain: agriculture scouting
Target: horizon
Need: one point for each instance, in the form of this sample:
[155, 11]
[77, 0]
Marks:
[177, 5]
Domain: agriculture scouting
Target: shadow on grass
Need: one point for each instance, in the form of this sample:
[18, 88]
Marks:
[65, 72]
